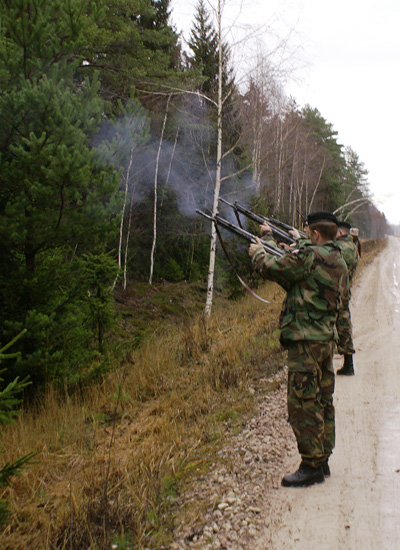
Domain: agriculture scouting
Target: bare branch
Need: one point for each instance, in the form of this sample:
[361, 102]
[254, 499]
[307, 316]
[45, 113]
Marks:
[356, 201]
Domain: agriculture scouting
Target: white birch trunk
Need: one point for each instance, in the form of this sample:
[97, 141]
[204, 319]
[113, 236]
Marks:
[170, 164]
[257, 154]
[213, 244]
[172, 155]
[365, 201]
[121, 225]
[128, 232]
[279, 196]
[317, 185]
[294, 190]
[362, 200]
[153, 247]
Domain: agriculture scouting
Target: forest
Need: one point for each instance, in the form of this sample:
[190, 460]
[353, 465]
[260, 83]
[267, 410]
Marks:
[109, 143]
[112, 134]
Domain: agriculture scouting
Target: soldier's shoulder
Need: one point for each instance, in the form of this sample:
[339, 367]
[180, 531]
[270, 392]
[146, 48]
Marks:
[329, 248]
[340, 243]
[334, 254]
[345, 246]
[349, 243]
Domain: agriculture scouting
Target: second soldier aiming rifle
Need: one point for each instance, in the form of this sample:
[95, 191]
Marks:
[280, 230]
[219, 221]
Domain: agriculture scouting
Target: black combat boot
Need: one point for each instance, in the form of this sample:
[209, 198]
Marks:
[326, 469]
[305, 476]
[348, 368]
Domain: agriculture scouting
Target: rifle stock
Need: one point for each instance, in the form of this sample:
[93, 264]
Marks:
[218, 220]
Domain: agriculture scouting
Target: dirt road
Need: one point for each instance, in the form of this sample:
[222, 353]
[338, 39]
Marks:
[358, 506]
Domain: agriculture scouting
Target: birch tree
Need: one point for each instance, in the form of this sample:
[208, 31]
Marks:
[118, 144]
[125, 179]
[213, 243]
[153, 247]
[211, 56]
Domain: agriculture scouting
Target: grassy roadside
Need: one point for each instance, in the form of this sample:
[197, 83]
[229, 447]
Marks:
[113, 459]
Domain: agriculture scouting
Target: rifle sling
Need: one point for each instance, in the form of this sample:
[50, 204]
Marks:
[246, 286]
[238, 219]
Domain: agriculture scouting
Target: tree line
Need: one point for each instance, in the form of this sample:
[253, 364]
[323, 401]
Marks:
[111, 135]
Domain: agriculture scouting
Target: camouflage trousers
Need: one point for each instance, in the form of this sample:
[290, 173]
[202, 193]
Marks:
[344, 328]
[311, 383]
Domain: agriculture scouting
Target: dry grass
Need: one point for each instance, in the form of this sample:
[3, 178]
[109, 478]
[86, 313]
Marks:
[112, 460]
[370, 248]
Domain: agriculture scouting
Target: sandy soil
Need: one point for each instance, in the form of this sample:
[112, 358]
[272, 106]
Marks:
[358, 506]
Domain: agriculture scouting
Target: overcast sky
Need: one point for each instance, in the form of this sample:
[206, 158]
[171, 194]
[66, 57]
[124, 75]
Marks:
[347, 66]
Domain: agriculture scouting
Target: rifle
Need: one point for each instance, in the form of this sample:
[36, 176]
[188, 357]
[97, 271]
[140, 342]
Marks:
[271, 249]
[280, 230]
[302, 216]
[285, 226]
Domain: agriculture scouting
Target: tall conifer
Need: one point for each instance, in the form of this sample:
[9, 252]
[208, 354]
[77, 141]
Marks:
[55, 198]
[203, 42]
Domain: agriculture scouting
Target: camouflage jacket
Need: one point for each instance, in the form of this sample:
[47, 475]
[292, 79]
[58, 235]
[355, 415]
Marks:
[316, 281]
[349, 252]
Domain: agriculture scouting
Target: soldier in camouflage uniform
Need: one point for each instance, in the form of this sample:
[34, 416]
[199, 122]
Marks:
[354, 232]
[316, 280]
[350, 255]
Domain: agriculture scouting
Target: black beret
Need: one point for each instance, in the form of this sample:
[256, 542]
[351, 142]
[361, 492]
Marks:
[321, 216]
[347, 225]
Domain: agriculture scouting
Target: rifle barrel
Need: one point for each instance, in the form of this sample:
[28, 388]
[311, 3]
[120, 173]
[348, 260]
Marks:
[277, 231]
[242, 233]
[280, 230]
[286, 226]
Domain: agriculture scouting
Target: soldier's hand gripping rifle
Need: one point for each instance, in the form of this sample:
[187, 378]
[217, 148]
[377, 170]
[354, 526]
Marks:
[280, 230]
[219, 221]
[285, 226]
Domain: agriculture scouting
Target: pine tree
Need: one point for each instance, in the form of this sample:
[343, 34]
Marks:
[355, 194]
[134, 48]
[163, 12]
[55, 197]
[203, 41]
[325, 138]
